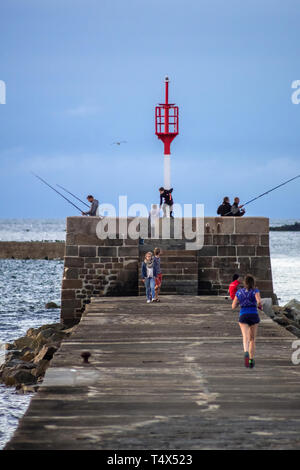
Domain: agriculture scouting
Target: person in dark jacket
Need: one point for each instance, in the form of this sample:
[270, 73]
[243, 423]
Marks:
[166, 195]
[225, 208]
[236, 210]
[94, 206]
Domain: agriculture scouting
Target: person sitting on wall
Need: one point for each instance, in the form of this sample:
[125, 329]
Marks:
[225, 208]
[94, 206]
[166, 194]
[237, 210]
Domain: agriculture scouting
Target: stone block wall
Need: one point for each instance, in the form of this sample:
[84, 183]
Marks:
[111, 267]
[95, 267]
[234, 245]
[32, 250]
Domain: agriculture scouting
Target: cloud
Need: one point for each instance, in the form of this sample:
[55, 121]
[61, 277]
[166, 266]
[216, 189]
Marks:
[83, 110]
[94, 167]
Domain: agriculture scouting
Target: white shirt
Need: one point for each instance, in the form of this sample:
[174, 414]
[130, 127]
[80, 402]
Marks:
[149, 272]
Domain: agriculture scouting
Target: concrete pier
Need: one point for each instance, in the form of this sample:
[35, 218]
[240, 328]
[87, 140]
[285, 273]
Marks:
[165, 376]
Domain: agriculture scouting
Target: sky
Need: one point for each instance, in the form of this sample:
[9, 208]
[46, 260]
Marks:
[82, 74]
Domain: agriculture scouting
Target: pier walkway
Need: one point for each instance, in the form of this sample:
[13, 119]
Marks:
[165, 376]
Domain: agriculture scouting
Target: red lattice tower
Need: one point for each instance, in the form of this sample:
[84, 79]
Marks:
[166, 129]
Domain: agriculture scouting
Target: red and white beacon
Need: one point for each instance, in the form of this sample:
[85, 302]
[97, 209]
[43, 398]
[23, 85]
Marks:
[166, 129]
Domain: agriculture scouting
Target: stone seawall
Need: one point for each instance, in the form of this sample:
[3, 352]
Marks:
[32, 250]
[111, 266]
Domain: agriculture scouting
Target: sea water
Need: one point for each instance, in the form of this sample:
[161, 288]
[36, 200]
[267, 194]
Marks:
[27, 285]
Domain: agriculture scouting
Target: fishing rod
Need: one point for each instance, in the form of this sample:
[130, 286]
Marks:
[273, 189]
[267, 192]
[69, 192]
[45, 182]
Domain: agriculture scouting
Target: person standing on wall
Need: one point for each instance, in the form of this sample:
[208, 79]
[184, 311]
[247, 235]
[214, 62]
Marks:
[166, 200]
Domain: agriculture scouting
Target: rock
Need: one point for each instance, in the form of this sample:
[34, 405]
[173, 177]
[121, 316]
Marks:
[292, 310]
[13, 354]
[25, 354]
[45, 353]
[24, 342]
[281, 320]
[41, 368]
[14, 364]
[289, 314]
[55, 326]
[21, 376]
[69, 331]
[267, 306]
[28, 356]
[278, 310]
[47, 332]
[293, 329]
[33, 332]
[27, 388]
[30, 332]
[10, 367]
[51, 305]
[11, 363]
[9, 372]
[19, 365]
[49, 335]
[293, 304]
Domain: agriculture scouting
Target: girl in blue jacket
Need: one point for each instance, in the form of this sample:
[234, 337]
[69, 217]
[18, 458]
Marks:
[149, 274]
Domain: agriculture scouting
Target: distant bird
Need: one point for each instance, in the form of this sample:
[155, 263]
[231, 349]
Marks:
[119, 143]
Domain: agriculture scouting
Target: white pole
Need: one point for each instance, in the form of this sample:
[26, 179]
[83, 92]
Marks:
[167, 171]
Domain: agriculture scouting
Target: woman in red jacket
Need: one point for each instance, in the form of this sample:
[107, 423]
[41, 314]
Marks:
[233, 287]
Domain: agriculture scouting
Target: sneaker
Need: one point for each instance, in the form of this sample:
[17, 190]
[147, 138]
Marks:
[251, 363]
[148, 301]
[246, 359]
